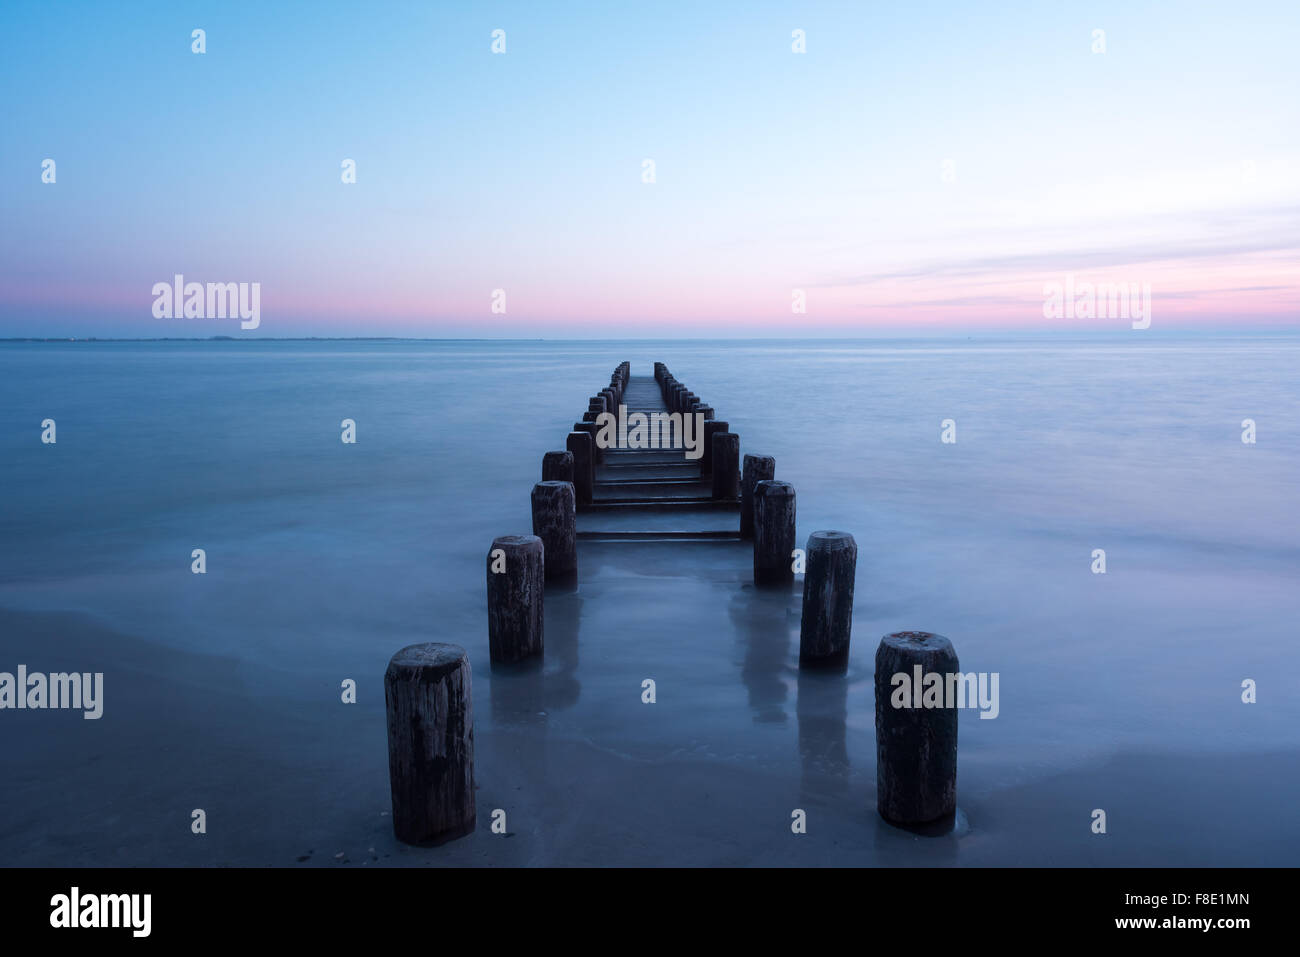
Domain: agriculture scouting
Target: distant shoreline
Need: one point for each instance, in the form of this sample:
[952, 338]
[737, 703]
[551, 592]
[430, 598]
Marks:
[1057, 335]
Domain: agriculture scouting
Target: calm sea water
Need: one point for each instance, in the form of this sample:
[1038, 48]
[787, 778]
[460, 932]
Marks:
[324, 558]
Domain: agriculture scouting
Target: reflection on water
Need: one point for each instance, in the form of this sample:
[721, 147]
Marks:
[822, 709]
[760, 618]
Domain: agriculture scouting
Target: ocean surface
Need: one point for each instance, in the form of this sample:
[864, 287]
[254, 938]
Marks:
[1119, 691]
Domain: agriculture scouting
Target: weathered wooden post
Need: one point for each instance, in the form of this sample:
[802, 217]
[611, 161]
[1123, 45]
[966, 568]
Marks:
[773, 533]
[916, 746]
[706, 411]
[430, 743]
[555, 522]
[757, 468]
[711, 428]
[591, 429]
[827, 622]
[516, 579]
[579, 446]
[726, 465]
[557, 467]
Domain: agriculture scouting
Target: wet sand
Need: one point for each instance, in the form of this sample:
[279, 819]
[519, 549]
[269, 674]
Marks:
[586, 773]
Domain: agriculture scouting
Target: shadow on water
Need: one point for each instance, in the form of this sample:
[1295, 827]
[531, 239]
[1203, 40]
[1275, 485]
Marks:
[524, 693]
[954, 825]
[822, 711]
[762, 619]
[563, 625]
[517, 693]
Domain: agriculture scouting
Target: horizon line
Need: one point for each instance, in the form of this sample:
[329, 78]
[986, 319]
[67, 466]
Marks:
[1285, 331]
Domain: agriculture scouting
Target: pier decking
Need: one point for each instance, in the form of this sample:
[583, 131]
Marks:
[655, 494]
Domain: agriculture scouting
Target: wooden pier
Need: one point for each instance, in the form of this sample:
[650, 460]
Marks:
[654, 494]
[613, 483]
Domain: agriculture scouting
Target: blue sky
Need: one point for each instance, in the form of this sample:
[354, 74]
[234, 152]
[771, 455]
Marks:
[1172, 159]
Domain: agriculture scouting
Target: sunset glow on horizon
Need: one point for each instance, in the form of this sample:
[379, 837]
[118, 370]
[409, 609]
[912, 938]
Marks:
[925, 168]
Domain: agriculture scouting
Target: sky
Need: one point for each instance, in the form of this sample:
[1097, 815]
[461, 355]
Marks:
[922, 168]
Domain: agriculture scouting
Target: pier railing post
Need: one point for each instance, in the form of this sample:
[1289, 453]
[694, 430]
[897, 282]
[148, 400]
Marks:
[827, 621]
[591, 429]
[774, 533]
[916, 746]
[427, 694]
[580, 447]
[516, 581]
[557, 467]
[555, 522]
[711, 428]
[726, 465]
[758, 468]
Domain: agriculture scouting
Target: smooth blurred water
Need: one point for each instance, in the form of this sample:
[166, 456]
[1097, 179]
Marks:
[324, 558]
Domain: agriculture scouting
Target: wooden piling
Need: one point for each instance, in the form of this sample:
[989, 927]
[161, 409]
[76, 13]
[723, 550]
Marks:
[557, 467]
[757, 468]
[516, 577]
[430, 743]
[916, 746]
[711, 428]
[726, 465]
[555, 523]
[774, 531]
[827, 622]
[591, 429]
[580, 447]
